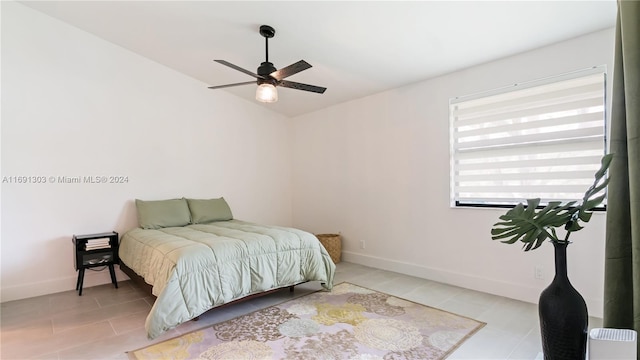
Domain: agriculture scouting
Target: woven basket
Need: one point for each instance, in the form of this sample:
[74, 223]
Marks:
[333, 244]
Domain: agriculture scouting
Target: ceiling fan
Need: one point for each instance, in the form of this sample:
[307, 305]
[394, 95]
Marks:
[268, 77]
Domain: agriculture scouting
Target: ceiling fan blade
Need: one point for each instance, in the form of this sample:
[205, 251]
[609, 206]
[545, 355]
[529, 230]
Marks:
[223, 62]
[230, 85]
[290, 70]
[300, 86]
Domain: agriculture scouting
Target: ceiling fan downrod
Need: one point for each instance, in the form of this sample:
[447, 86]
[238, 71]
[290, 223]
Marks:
[266, 67]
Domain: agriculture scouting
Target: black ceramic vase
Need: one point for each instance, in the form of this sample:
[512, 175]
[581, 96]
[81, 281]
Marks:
[563, 315]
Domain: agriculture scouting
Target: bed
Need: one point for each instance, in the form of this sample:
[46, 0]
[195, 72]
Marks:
[195, 257]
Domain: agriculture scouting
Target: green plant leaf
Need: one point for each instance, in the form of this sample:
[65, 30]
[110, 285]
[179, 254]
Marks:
[523, 223]
[529, 226]
[589, 202]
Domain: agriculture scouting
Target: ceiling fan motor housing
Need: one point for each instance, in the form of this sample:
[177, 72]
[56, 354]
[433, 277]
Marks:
[265, 69]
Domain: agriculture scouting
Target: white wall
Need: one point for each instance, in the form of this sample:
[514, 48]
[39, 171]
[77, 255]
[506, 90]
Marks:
[374, 169]
[75, 105]
[377, 170]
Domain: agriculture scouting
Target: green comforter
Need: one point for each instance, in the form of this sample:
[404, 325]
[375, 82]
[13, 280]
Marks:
[197, 267]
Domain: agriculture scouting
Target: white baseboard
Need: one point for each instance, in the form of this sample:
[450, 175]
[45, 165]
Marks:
[510, 290]
[91, 278]
[467, 281]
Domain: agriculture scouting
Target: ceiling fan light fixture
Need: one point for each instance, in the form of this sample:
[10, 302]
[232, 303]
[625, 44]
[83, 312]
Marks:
[266, 93]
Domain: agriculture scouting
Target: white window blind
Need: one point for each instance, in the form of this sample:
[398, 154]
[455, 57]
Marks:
[542, 139]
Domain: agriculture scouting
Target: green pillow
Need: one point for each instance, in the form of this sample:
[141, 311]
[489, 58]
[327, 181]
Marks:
[163, 213]
[206, 211]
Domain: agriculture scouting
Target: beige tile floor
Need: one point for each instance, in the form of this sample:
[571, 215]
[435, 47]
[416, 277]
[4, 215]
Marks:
[104, 322]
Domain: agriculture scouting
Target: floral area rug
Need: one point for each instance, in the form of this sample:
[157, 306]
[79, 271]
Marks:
[350, 322]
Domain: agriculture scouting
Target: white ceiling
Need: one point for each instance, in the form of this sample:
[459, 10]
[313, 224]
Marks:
[356, 48]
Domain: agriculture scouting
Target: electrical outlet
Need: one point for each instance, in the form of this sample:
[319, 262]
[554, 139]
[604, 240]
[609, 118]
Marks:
[361, 244]
[538, 272]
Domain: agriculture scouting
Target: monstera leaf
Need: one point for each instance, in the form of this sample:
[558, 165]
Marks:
[589, 202]
[532, 226]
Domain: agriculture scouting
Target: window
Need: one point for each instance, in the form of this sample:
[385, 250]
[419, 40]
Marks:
[542, 139]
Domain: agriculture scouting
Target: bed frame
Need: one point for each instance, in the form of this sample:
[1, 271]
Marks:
[139, 280]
